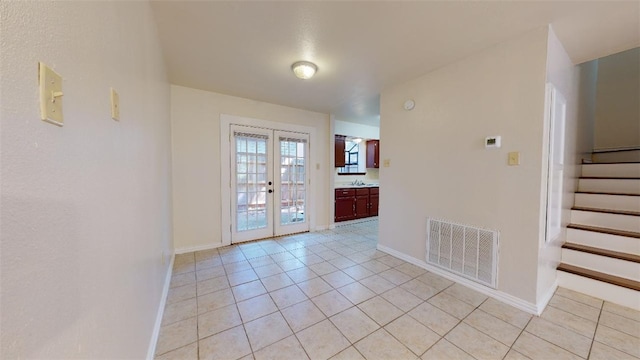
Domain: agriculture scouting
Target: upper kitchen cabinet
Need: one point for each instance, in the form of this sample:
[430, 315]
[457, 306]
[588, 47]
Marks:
[340, 148]
[373, 154]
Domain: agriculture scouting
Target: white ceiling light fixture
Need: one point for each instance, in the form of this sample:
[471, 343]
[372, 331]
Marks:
[304, 69]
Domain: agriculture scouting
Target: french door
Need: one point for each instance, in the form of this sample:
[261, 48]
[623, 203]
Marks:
[269, 178]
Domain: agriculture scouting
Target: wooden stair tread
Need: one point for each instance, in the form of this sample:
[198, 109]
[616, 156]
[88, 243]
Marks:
[603, 151]
[602, 252]
[605, 193]
[605, 230]
[607, 211]
[609, 162]
[608, 178]
[596, 275]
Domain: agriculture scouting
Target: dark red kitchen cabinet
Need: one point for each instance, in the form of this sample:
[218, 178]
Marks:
[373, 154]
[345, 204]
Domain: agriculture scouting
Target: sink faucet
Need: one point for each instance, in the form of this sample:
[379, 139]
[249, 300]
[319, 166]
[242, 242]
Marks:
[357, 182]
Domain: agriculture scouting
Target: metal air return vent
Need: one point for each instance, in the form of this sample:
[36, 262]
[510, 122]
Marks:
[463, 250]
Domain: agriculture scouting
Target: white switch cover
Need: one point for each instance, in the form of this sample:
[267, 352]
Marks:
[115, 105]
[50, 95]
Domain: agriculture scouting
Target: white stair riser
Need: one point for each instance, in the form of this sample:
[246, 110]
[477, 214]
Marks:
[612, 202]
[604, 264]
[623, 244]
[620, 156]
[611, 221]
[620, 186]
[631, 170]
[608, 292]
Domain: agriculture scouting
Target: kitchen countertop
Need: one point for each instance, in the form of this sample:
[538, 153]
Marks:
[350, 186]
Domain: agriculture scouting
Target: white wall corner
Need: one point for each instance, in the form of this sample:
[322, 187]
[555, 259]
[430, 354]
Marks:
[160, 313]
[544, 301]
[496, 294]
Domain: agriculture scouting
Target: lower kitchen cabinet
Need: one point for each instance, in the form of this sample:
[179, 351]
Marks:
[374, 199]
[356, 203]
[345, 204]
[362, 204]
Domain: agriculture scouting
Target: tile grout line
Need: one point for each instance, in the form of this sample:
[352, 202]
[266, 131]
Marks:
[593, 339]
[519, 335]
[459, 322]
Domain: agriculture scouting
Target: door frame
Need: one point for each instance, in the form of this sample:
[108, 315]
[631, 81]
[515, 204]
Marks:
[225, 169]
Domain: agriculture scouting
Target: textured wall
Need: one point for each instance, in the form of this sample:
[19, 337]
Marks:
[195, 121]
[617, 119]
[440, 168]
[85, 208]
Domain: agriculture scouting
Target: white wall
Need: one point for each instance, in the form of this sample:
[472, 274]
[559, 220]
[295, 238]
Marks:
[357, 130]
[195, 124]
[86, 208]
[440, 168]
[617, 121]
[565, 77]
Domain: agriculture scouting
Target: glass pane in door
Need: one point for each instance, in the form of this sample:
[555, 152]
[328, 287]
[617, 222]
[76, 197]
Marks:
[250, 178]
[292, 180]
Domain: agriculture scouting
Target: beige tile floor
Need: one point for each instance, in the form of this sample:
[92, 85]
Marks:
[332, 295]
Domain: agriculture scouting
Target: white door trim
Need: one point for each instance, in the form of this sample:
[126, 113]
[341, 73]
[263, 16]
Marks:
[225, 168]
[555, 120]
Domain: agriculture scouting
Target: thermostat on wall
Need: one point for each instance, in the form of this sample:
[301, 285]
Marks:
[492, 142]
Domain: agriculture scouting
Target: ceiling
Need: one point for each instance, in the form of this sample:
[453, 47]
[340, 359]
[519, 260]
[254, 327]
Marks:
[245, 49]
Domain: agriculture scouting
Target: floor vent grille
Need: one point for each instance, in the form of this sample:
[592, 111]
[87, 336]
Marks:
[463, 250]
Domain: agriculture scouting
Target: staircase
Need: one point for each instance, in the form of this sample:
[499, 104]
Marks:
[601, 256]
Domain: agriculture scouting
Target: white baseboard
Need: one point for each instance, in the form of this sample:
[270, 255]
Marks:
[321, 227]
[496, 294]
[185, 250]
[163, 301]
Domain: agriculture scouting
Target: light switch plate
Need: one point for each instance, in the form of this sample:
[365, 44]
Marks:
[514, 158]
[50, 95]
[115, 105]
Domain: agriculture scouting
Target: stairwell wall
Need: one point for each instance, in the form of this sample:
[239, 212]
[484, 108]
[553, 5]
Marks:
[617, 112]
[566, 78]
